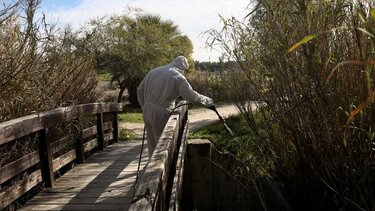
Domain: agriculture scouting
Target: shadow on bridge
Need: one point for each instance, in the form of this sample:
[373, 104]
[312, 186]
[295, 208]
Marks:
[104, 182]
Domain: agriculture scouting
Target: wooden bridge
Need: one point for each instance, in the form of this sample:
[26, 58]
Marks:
[70, 159]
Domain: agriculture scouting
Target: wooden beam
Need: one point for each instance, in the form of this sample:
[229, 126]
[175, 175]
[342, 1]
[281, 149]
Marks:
[100, 130]
[155, 178]
[62, 143]
[89, 132]
[198, 190]
[80, 149]
[107, 126]
[45, 154]
[19, 188]
[115, 126]
[12, 169]
[64, 159]
[16, 128]
[175, 198]
[88, 146]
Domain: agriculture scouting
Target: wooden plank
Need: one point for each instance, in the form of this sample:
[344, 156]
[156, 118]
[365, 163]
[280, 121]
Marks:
[91, 175]
[62, 143]
[99, 207]
[102, 178]
[85, 194]
[16, 128]
[108, 137]
[19, 188]
[79, 200]
[107, 126]
[45, 154]
[109, 167]
[121, 182]
[88, 132]
[175, 198]
[128, 169]
[155, 177]
[64, 159]
[103, 174]
[80, 189]
[88, 146]
[93, 130]
[100, 162]
[12, 169]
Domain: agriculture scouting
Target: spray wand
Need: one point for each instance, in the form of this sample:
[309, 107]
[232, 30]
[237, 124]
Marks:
[221, 120]
[215, 110]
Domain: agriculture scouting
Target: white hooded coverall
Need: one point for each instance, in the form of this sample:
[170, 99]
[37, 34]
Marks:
[157, 94]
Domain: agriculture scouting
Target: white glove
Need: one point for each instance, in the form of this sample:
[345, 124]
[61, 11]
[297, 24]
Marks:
[208, 102]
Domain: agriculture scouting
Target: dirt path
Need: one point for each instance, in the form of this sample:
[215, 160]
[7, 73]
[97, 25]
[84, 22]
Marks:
[197, 118]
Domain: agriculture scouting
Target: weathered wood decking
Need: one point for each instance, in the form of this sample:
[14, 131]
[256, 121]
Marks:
[65, 137]
[104, 182]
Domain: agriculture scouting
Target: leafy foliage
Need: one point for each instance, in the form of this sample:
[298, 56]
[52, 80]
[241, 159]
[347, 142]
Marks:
[41, 67]
[126, 135]
[316, 132]
[132, 44]
[131, 117]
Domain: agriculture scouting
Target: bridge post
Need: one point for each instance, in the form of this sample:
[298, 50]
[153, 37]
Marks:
[100, 130]
[80, 150]
[198, 191]
[115, 126]
[45, 154]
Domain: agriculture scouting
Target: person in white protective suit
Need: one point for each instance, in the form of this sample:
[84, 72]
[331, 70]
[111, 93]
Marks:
[158, 92]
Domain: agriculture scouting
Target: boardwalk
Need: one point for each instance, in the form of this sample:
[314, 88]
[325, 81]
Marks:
[104, 182]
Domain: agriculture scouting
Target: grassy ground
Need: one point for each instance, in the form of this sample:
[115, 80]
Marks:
[219, 135]
[216, 133]
[131, 117]
[131, 114]
[104, 76]
[126, 135]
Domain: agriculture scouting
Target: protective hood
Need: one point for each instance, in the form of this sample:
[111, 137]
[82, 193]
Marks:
[180, 63]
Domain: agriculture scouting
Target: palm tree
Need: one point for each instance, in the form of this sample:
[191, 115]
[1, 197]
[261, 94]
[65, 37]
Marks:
[133, 46]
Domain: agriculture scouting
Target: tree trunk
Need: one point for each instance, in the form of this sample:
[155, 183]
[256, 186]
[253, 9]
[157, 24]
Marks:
[133, 96]
[122, 90]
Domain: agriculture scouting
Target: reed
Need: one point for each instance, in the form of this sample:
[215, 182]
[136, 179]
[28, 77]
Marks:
[310, 63]
[42, 67]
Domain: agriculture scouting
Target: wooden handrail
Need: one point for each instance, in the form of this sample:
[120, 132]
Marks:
[152, 193]
[23, 126]
[52, 156]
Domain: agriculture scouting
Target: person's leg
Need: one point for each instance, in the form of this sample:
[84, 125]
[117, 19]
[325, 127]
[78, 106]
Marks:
[159, 124]
[155, 119]
[151, 142]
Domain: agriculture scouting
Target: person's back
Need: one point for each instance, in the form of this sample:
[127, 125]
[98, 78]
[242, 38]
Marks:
[160, 87]
[157, 94]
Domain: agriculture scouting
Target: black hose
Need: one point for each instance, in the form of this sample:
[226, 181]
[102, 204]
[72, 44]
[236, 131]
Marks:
[140, 159]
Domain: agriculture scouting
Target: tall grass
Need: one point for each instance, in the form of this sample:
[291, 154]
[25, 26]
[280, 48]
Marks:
[209, 83]
[317, 125]
[41, 67]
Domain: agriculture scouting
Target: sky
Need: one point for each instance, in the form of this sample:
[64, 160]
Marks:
[192, 16]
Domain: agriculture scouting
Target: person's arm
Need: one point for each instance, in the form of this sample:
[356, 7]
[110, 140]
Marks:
[187, 92]
[140, 94]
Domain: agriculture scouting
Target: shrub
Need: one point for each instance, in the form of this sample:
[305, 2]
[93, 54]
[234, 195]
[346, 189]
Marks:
[41, 67]
[316, 125]
[209, 84]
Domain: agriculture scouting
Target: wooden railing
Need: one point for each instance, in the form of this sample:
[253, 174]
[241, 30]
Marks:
[160, 185]
[39, 163]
